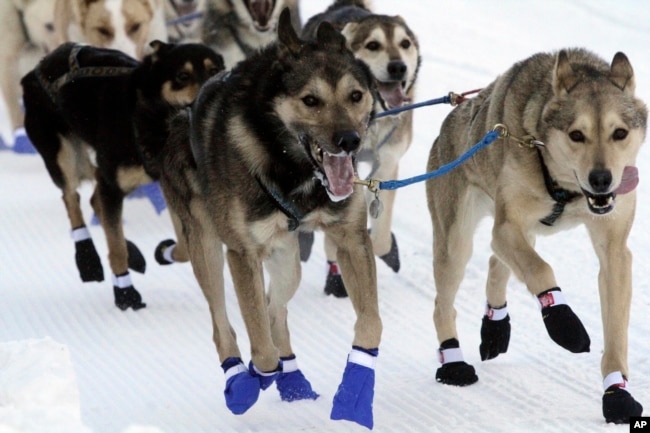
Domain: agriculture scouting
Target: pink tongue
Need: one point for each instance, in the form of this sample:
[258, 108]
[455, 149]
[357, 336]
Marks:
[629, 181]
[393, 94]
[340, 174]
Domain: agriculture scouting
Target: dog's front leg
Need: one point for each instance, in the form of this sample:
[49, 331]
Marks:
[513, 244]
[108, 200]
[248, 279]
[283, 266]
[609, 238]
[354, 397]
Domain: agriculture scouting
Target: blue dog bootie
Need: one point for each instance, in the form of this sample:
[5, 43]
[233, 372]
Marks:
[292, 384]
[354, 397]
[22, 143]
[242, 389]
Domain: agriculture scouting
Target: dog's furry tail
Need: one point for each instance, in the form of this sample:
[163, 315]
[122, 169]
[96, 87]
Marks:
[363, 4]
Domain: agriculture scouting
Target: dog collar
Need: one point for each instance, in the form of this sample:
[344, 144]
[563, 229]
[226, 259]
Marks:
[561, 196]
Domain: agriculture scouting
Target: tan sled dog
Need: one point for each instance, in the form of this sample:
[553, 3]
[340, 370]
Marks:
[581, 127]
[271, 149]
[390, 49]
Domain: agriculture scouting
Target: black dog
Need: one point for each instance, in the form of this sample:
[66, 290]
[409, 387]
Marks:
[97, 114]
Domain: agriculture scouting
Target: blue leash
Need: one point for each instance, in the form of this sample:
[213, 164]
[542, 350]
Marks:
[444, 100]
[452, 98]
[375, 185]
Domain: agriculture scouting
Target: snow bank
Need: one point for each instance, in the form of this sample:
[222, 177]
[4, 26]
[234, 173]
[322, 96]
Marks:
[38, 390]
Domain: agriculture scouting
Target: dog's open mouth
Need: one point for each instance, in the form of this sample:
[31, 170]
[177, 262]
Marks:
[335, 171]
[601, 204]
[392, 92]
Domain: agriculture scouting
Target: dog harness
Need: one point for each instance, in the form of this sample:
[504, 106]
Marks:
[561, 196]
[77, 71]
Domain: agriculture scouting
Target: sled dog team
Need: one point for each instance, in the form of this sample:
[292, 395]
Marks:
[255, 137]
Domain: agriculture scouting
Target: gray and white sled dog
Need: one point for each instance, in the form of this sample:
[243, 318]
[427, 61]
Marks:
[390, 49]
[266, 150]
[581, 128]
[238, 28]
[184, 19]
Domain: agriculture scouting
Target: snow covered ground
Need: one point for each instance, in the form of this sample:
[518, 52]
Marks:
[70, 362]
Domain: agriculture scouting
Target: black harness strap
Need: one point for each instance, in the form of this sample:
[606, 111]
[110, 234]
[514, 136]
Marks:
[561, 196]
[292, 213]
[76, 71]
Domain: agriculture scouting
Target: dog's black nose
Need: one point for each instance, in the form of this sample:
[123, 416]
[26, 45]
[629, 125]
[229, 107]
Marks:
[347, 140]
[600, 180]
[396, 70]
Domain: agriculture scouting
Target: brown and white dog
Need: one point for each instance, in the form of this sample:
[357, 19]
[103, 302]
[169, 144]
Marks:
[26, 35]
[238, 28]
[125, 25]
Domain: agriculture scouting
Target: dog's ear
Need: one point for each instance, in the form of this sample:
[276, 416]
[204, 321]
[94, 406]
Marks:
[564, 77]
[287, 34]
[622, 74]
[158, 47]
[328, 35]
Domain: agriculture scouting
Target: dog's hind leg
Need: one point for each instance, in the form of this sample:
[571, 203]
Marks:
[107, 202]
[454, 221]
[609, 238]
[70, 166]
[283, 267]
[354, 397]
[170, 251]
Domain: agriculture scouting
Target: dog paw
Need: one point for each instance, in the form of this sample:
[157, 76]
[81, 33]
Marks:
[265, 378]
[334, 282]
[354, 397]
[128, 297]
[242, 389]
[136, 259]
[562, 324]
[619, 405]
[495, 336]
[163, 252]
[457, 373]
[88, 262]
[391, 258]
[294, 386]
[306, 242]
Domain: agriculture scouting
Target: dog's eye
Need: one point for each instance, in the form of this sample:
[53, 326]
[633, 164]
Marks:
[183, 77]
[406, 44]
[372, 46]
[356, 96]
[213, 71]
[49, 27]
[310, 101]
[619, 134]
[134, 28]
[104, 32]
[577, 136]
